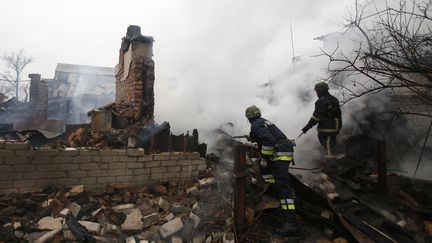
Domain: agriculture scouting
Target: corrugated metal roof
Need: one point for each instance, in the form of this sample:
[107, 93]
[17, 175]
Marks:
[84, 69]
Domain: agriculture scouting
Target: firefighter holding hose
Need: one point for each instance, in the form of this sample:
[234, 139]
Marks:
[277, 153]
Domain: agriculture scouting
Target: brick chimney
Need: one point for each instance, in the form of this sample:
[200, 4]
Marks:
[135, 77]
[38, 98]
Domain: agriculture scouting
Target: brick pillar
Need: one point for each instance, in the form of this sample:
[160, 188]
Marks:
[135, 77]
[38, 97]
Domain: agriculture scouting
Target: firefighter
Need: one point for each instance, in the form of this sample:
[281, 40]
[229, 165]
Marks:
[328, 116]
[277, 153]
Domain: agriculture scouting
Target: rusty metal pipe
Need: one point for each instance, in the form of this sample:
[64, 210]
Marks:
[239, 187]
[382, 165]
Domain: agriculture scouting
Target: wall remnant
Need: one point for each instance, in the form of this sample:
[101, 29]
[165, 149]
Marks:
[25, 169]
[135, 77]
[38, 98]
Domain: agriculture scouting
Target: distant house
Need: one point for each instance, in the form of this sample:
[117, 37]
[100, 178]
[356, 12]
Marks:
[77, 89]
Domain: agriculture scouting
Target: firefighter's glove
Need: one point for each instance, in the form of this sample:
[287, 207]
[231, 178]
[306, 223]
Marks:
[305, 129]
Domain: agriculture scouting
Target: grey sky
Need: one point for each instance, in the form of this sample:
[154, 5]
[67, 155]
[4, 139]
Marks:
[210, 55]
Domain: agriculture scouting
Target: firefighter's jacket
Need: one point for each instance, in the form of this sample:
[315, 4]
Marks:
[273, 144]
[327, 114]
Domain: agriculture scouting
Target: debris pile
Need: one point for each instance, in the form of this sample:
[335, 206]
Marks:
[190, 211]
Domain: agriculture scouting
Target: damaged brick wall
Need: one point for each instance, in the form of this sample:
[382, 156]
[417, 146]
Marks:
[24, 169]
[135, 77]
[38, 98]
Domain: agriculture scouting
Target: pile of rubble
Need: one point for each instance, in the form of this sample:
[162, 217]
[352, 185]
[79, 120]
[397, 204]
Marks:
[190, 211]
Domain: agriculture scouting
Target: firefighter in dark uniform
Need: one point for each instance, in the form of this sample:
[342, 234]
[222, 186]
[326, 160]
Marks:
[277, 153]
[328, 116]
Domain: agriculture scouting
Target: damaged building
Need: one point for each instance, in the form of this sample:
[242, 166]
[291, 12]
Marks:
[124, 178]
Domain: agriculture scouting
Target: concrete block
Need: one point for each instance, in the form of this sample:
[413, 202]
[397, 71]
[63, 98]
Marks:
[163, 204]
[82, 159]
[50, 223]
[103, 166]
[11, 176]
[61, 160]
[7, 153]
[176, 239]
[6, 168]
[25, 153]
[47, 152]
[117, 172]
[17, 160]
[128, 159]
[2, 144]
[47, 167]
[112, 152]
[77, 174]
[158, 170]
[69, 152]
[184, 174]
[46, 182]
[201, 167]
[97, 173]
[184, 162]
[147, 157]
[109, 159]
[199, 162]
[195, 155]
[106, 180]
[88, 181]
[24, 168]
[88, 152]
[195, 219]
[28, 189]
[16, 145]
[124, 178]
[91, 166]
[93, 228]
[5, 184]
[8, 191]
[68, 181]
[170, 175]
[175, 156]
[48, 236]
[149, 220]
[190, 155]
[134, 165]
[156, 176]
[34, 175]
[164, 156]
[68, 167]
[118, 165]
[135, 152]
[151, 164]
[189, 168]
[170, 228]
[169, 163]
[133, 221]
[124, 208]
[96, 159]
[145, 171]
[174, 169]
[74, 208]
[24, 183]
[169, 217]
[55, 174]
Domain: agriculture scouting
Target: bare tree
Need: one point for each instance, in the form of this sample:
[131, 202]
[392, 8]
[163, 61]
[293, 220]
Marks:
[395, 52]
[15, 62]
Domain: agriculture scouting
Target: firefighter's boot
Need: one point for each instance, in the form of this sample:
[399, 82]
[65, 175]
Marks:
[290, 227]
